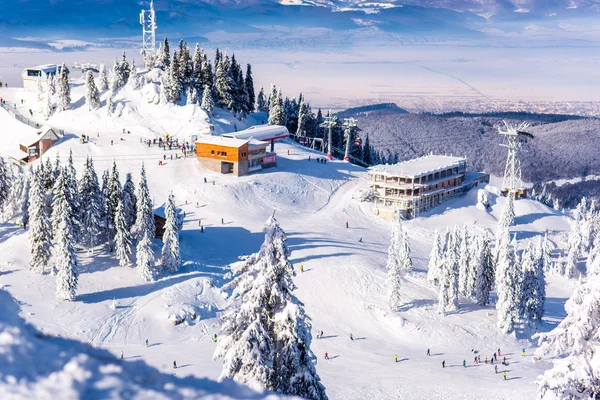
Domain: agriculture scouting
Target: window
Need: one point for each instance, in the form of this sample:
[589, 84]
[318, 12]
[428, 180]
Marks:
[34, 72]
[212, 152]
[218, 153]
[224, 153]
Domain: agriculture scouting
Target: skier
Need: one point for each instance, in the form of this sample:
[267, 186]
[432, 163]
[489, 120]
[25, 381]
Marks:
[504, 374]
[301, 268]
[504, 362]
[492, 361]
[222, 221]
[523, 352]
[111, 142]
[288, 152]
[174, 365]
[204, 179]
[360, 240]
[215, 338]
[444, 364]
[486, 360]
[495, 357]
[165, 157]
[478, 359]
[428, 352]
[351, 337]
[395, 357]
[496, 368]
[146, 342]
[121, 354]
[201, 229]
[346, 224]
[465, 363]
[499, 352]
[475, 360]
[326, 354]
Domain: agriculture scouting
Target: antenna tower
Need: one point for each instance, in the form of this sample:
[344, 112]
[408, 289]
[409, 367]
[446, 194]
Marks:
[514, 137]
[349, 125]
[329, 122]
[148, 22]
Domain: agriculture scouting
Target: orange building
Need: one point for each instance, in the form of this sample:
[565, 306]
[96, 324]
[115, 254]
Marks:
[233, 156]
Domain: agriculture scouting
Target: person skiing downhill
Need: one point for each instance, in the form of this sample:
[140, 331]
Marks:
[351, 337]
[495, 357]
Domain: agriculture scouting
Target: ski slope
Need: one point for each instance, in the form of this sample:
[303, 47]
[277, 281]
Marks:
[342, 286]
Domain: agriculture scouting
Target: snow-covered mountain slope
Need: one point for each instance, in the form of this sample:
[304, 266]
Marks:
[342, 286]
[39, 366]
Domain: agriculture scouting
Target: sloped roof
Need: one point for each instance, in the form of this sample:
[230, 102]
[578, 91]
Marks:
[222, 141]
[261, 132]
[419, 166]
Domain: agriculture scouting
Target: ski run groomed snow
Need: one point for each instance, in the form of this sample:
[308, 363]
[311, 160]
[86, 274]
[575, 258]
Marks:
[343, 286]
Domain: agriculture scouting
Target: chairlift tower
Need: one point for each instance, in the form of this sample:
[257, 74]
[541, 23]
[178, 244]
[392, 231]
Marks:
[329, 122]
[349, 125]
[148, 22]
[514, 137]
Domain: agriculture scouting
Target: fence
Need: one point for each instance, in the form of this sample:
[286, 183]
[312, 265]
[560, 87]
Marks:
[29, 122]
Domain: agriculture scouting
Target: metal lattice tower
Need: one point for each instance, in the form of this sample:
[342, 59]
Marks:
[349, 125]
[148, 22]
[514, 136]
[329, 122]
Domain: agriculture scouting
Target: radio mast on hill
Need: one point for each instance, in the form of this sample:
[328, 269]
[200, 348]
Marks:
[148, 22]
[329, 122]
[514, 137]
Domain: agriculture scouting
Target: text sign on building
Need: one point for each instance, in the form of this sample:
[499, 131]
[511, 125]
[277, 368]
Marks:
[269, 159]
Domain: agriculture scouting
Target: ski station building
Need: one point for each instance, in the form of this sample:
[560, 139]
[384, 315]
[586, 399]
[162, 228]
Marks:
[240, 153]
[41, 73]
[415, 186]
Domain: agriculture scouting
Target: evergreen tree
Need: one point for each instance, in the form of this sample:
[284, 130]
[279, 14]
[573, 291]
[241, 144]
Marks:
[250, 95]
[91, 205]
[528, 285]
[448, 291]
[52, 83]
[207, 101]
[435, 260]
[508, 215]
[135, 80]
[4, 182]
[507, 283]
[266, 332]
[197, 80]
[185, 65]
[464, 264]
[129, 201]
[73, 196]
[303, 120]
[122, 237]
[145, 230]
[48, 106]
[207, 73]
[106, 211]
[276, 116]
[111, 105]
[367, 151]
[124, 71]
[573, 346]
[64, 254]
[39, 229]
[103, 78]
[92, 98]
[222, 87]
[171, 82]
[261, 101]
[170, 259]
[164, 58]
[484, 279]
[115, 193]
[114, 78]
[63, 89]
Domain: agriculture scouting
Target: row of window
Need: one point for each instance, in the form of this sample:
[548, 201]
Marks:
[219, 153]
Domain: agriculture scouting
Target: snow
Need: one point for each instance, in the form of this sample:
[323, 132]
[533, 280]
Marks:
[419, 166]
[342, 287]
[222, 141]
[263, 132]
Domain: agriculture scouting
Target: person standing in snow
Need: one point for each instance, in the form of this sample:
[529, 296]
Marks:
[222, 221]
[496, 368]
[121, 355]
[504, 374]
[475, 360]
[174, 365]
[395, 357]
[360, 240]
[326, 354]
[495, 357]
[215, 338]
[346, 224]
[444, 364]
[301, 268]
[146, 342]
[499, 352]
[465, 363]
[351, 337]
[486, 360]
[428, 352]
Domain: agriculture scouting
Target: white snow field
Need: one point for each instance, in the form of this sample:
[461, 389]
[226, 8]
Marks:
[342, 286]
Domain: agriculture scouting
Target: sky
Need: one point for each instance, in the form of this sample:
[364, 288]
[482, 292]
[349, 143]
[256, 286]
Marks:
[423, 55]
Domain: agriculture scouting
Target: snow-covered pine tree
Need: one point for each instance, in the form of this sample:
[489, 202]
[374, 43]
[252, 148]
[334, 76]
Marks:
[508, 214]
[92, 98]
[63, 89]
[48, 106]
[573, 345]
[395, 266]
[64, 239]
[507, 283]
[122, 237]
[115, 193]
[207, 73]
[114, 77]
[52, 83]
[164, 58]
[39, 228]
[123, 71]
[4, 182]
[276, 115]
[129, 201]
[111, 104]
[539, 304]
[207, 101]
[145, 230]
[250, 94]
[484, 278]
[39, 91]
[197, 78]
[435, 260]
[170, 259]
[452, 269]
[105, 196]
[103, 78]
[464, 271]
[267, 337]
[135, 80]
[222, 87]
[90, 214]
[528, 284]
[303, 120]
[171, 82]
[261, 101]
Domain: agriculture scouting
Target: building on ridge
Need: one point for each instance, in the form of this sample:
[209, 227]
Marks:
[416, 185]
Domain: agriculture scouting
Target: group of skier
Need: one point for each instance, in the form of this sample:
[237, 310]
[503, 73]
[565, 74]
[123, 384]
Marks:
[477, 360]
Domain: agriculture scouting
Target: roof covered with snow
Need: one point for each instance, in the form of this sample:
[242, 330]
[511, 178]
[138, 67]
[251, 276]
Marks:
[419, 166]
[222, 141]
[14, 133]
[261, 132]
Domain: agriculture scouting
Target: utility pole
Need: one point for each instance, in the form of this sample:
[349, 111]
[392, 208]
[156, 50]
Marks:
[148, 22]
[329, 122]
[349, 125]
[514, 136]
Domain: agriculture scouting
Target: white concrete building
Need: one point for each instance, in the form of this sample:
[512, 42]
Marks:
[41, 73]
